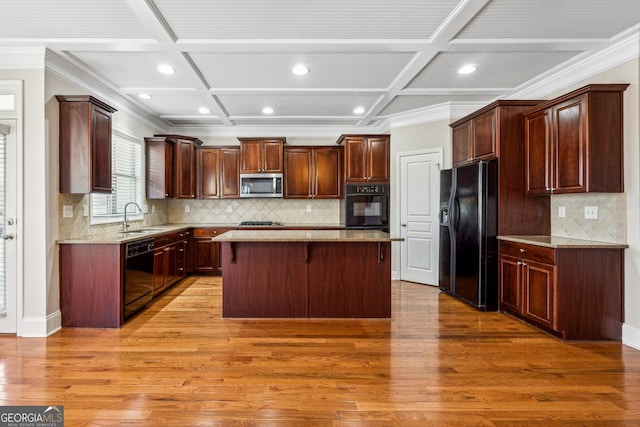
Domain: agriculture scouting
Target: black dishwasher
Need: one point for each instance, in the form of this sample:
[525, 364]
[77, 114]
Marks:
[138, 281]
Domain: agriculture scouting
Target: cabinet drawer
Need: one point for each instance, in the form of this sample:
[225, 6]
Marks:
[530, 252]
[167, 239]
[209, 232]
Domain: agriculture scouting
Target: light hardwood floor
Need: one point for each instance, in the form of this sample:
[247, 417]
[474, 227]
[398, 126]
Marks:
[437, 362]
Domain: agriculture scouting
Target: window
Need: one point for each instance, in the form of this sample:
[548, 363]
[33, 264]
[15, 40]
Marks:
[126, 163]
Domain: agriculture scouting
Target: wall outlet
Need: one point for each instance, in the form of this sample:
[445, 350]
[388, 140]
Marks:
[85, 210]
[590, 212]
[186, 208]
[67, 211]
[153, 208]
[561, 212]
[309, 209]
[229, 208]
[145, 208]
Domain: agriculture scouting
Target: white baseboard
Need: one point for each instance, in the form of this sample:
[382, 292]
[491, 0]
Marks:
[38, 327]
[631, 336]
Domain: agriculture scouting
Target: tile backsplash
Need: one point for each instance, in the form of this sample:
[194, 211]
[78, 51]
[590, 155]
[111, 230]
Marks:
[610, 226]
[280, 210]
[304, 211]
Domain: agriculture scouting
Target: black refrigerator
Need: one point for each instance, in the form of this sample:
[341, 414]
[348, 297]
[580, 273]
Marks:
[468, 227]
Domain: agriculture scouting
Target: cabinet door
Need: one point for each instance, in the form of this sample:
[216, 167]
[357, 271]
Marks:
[355, 152]
[208, 166]
[171, 264]
[169, 181]
[484, 136]
[510, 291]
[101, 151]
[250, 156]
[540, 294]
[229, 177]
[378, 159]
[158, 270]
[203, 255]
[570, 131]
[272, 156]
[461, 145]
[327, 173]
[185, 171]
[538, 153]
[298, 175]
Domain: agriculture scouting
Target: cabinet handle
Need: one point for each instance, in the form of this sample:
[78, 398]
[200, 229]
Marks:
[521, 250]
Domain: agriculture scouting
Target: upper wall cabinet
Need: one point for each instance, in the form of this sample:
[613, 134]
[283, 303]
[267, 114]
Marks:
[261, 155]
[366, 157]
[313, 172]
[475, 139]
[85, 144]
[217, 172]
[574, 144]
[171, 166]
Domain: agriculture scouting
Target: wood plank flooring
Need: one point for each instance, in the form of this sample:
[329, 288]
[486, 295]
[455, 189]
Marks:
[437, 362]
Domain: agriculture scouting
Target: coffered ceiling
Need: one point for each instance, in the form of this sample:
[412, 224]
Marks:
[234, 57]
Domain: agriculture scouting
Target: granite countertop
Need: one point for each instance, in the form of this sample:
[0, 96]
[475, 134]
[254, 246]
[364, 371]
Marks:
[562, 242]
[117, 237]
[306, 236]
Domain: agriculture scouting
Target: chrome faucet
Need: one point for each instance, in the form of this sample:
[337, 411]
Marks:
[125, 224]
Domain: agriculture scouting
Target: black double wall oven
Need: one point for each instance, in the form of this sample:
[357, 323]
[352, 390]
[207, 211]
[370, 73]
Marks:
[367, 207]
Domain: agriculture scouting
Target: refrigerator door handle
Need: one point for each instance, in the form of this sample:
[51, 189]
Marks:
[455, 212]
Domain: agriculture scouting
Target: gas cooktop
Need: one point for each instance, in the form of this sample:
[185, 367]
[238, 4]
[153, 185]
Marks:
[261, 223]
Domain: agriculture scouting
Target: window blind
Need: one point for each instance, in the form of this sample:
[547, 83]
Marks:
[3, 207]
[126, 164]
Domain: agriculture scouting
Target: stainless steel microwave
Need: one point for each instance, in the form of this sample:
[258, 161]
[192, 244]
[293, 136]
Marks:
[260, 185]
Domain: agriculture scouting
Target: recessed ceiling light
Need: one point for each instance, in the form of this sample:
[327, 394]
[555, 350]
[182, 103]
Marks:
[300, 70]
[144, 96]
[203, 110]
[166, 69]
[358, 110]
[467, 69]
[267, 110]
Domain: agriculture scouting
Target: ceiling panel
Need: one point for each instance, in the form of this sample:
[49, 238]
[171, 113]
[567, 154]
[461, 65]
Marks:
[274, 121]
[96, 19]
[327, 70]
[402, 104]
[175, 104]
[495, 69]
[295, 105]
[135, 69]
[555, 19]
[308, 19]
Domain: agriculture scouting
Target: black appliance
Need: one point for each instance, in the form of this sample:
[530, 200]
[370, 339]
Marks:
[138, 281]
[468, 227]
[367, 207]
[260, 223]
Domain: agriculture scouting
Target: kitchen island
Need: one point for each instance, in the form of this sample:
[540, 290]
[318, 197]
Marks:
[306, 273]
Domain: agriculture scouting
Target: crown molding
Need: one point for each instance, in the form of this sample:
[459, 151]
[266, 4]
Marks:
[623, 48]
[446, 111]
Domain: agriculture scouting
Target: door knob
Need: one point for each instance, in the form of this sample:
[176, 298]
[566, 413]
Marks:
[8, 236]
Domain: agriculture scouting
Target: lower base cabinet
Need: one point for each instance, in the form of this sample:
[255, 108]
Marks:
[206, 252]
[573, 293]
[170, 260]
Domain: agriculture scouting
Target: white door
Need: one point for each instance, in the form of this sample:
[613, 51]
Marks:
[8, 211]
[419, 225]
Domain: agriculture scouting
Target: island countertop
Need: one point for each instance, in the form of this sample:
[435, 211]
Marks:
[306, 236]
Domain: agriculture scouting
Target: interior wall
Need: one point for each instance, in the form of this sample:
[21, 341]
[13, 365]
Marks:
[419, 137]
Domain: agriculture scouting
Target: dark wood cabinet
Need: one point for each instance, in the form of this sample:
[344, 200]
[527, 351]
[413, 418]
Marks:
[574, 143]
[159, 161]
[572, 292]
[171, 259]
[218, 174]
[313, 172]
[366, 158]
[475, 139]
[497, 131]
[261, 155]
[85, 144]
[171, 166]
[206, 252]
